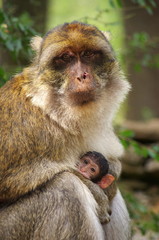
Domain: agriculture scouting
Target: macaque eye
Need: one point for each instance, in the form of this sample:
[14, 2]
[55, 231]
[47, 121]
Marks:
[88, 54]
[93, 170]
[92, 56]
[66, 57]
[61, 62]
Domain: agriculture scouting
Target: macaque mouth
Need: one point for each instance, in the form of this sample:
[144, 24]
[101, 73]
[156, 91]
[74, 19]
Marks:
[82, 98]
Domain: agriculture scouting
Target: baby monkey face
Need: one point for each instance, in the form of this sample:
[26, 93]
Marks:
[88, 168]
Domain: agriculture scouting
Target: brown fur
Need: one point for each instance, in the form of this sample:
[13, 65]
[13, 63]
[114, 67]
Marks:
[48, 120]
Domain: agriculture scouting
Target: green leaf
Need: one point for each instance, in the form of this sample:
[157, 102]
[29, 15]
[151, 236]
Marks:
[1, 17]
[156, 61]
[141, 2]
[3, 78]
[124, 143]
[140, 150]
[25, 20]
[18, 45]
[127, 133]
[157, 157]
[153, 3]
[146, 59]
[151, 153]
[155, 148]
[119, 2]
[1, 72]
[144, 152]
[149, 10]
[21, 27]
[112, 4]
[137, 67]
[9, 44]
[3, 35]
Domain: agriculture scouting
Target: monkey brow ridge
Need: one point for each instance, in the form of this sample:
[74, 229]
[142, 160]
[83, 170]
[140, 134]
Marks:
[63, 32]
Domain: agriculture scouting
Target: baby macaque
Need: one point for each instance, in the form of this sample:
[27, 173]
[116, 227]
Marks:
[94, 166]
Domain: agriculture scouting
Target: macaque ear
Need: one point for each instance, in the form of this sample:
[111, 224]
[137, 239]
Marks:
[107, 35]
[106, 181]
[36, 43]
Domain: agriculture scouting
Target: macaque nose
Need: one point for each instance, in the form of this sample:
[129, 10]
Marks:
[83, 76]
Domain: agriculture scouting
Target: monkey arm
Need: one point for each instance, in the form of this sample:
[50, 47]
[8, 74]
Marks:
[115, 170]
[18, 181]
[111, 191]
[30, 154]
[101, 198]
[103, 210]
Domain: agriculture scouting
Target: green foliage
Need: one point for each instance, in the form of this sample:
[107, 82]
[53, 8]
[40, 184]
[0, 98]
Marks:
[3, 76]
[142, 49]
[15, 35]
[126, 138]
[149, 5]
[142, 217]
[114, 3]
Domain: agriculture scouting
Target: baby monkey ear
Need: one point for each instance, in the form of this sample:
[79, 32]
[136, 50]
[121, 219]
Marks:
[36, 43]
[106, 181]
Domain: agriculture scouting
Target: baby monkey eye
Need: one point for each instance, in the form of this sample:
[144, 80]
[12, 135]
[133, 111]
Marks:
[93, 170]
[85, 161]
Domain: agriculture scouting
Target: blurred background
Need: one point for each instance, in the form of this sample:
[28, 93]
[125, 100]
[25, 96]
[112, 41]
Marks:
[133, 29]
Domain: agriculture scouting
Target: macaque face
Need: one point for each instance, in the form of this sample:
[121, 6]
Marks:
[76, 60]
[88, 168]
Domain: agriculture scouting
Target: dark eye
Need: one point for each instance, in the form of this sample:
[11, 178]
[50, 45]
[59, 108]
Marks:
[66, 57]
[61, 62]
[88, 54]
[85, 161]
[93, 170]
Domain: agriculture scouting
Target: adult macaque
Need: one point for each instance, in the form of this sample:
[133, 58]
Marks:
[53, 112]
[94, 166]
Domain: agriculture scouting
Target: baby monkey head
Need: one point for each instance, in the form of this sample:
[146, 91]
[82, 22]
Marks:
[76, 60]
[93, 165]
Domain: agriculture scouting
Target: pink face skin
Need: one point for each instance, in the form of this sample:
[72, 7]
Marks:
[88, 168]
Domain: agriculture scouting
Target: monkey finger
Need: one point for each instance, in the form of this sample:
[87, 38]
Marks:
[105, 219]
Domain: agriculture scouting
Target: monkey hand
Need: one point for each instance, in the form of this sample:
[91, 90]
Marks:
[104, 211]
[101, 198]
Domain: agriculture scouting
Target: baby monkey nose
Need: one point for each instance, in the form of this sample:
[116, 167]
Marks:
[82, 169]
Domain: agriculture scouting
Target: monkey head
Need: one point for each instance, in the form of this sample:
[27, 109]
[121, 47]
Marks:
[74, 67]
